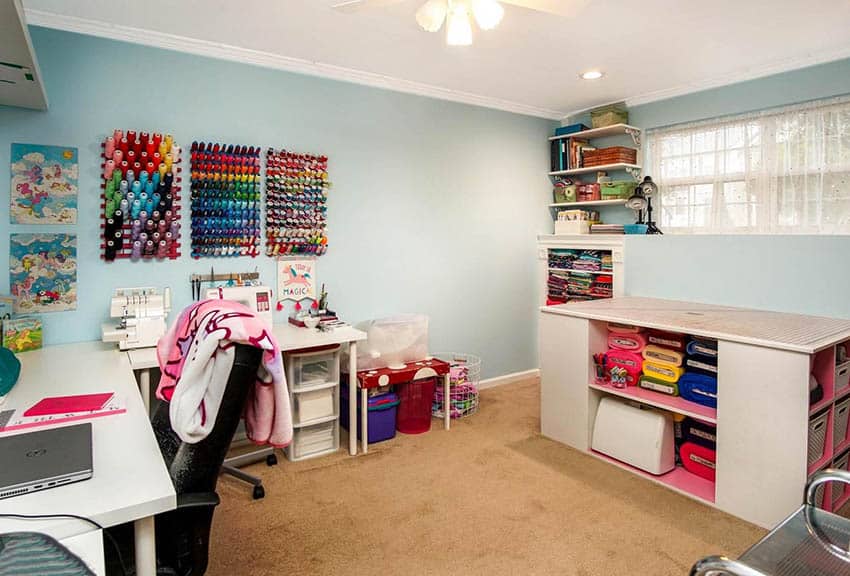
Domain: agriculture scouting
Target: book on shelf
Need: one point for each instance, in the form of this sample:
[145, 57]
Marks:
[607, 229]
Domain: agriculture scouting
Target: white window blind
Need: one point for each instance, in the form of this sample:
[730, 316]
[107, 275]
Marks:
[783, 171]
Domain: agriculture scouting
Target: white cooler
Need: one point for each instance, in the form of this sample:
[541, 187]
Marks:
[640, 437]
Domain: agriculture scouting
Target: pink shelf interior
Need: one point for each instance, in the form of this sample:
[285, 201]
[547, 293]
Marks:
[823, 368]
[678, 478]
[672, 403]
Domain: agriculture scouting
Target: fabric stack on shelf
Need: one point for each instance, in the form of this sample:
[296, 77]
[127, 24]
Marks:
[562, 259]
[696, 446]
[557, 286]
[662, 364]
[579, 285]
[699, 384]
[603, 287]
[607, 229]
[588, 261]
[607, 262]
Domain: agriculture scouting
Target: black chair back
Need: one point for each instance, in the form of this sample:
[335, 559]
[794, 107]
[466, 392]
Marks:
[195, 468]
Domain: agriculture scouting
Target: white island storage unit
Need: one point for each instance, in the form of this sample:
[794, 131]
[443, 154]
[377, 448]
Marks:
[769, 439]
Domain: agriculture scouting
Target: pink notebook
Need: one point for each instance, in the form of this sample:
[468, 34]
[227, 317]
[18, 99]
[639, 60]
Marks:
[68, 404]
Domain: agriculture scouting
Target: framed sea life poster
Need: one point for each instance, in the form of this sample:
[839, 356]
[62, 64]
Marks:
[44, 184]
[43, 272]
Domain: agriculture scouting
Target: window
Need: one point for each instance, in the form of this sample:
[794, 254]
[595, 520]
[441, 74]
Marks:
[780, 171]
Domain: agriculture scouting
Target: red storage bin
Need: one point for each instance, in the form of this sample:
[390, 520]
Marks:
[414, 409]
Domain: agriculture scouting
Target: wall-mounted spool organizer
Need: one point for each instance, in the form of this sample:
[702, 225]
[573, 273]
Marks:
[141, 196]
[296, 194]
[225, 190]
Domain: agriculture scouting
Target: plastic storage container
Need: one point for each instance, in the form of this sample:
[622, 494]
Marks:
[839, 422]
[381, 419]
[312, 405]
[307, 369]
[393, 342]
[414, 409]
[817, 436]
[313, 440]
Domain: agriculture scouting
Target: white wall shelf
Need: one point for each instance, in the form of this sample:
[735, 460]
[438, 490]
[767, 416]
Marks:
[618, 202]
[613, 130]
[632, 169]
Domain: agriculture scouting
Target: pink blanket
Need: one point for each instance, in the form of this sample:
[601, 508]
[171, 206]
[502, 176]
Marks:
[196, 356]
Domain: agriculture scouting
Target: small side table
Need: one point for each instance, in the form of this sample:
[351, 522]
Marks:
[366, 379]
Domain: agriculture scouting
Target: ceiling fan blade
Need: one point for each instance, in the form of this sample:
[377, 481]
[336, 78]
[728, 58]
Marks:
[567, 8]
[358, 5]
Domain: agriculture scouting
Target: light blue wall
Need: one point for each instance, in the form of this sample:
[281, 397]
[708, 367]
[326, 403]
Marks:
[804, 274]
[434, 209]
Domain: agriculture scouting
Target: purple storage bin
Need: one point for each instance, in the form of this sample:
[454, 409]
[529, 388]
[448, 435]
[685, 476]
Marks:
[382, 415]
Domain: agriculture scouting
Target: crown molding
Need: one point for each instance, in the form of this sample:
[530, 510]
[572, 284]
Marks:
[786, 65]
[275, 61]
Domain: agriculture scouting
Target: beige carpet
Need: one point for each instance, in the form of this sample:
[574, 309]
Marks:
[490, 496]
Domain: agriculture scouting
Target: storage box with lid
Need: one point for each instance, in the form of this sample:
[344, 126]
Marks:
[609, 115]
[588, 192]
[619, 190]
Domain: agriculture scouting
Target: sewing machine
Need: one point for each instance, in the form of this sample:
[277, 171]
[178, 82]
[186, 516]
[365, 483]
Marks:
[257, 298]
[142, 313]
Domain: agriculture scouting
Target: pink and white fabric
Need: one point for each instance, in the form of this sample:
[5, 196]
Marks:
[196, 356]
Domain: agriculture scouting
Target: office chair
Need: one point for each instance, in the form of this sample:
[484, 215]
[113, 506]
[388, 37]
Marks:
[810, 542]
[182, 535]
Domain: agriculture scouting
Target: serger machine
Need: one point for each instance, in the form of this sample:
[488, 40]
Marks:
[142, 314]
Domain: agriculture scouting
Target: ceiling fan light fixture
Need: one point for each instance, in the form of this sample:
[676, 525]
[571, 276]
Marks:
[431, 15]
[458, 26]
[488, 13]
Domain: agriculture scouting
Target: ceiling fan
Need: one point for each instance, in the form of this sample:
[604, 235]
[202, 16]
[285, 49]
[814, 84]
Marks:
[459, 14]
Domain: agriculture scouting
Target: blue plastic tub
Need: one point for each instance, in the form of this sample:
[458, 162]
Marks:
[381, 419]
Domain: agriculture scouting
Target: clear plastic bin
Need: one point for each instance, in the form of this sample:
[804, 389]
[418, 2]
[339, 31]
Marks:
[308, 369]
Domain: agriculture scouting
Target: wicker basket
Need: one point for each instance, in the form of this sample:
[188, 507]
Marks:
[463, 381]
[608, 116]
[817, 437]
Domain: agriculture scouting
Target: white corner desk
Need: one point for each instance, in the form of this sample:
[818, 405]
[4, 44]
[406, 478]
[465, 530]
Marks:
[763, 414]
[130, 482]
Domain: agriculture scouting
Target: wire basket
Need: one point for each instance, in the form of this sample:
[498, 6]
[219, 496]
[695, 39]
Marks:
[464, 377]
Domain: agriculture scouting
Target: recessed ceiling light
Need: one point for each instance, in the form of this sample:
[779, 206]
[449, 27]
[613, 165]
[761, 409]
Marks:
[592, 75]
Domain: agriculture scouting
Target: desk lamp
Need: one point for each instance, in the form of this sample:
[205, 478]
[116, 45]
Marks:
[642, 200]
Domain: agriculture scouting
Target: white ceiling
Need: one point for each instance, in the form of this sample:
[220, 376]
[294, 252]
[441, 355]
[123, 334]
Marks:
[649, 49]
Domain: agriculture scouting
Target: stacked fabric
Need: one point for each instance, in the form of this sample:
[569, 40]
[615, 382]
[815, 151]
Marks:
[664, 362]
[589, 260]
[696, 447]
[699, 383]
[623, 359]
[603, 287]
[557, 286]
[607, 262]
[579, 284]
[562, 259]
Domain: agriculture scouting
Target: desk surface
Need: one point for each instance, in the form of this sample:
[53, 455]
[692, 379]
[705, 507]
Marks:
[794, 332]
[288, 337]
[130, 480]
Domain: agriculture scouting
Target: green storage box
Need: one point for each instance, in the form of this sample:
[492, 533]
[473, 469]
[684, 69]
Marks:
[609, 115]
[564, 194]
[618, 190]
